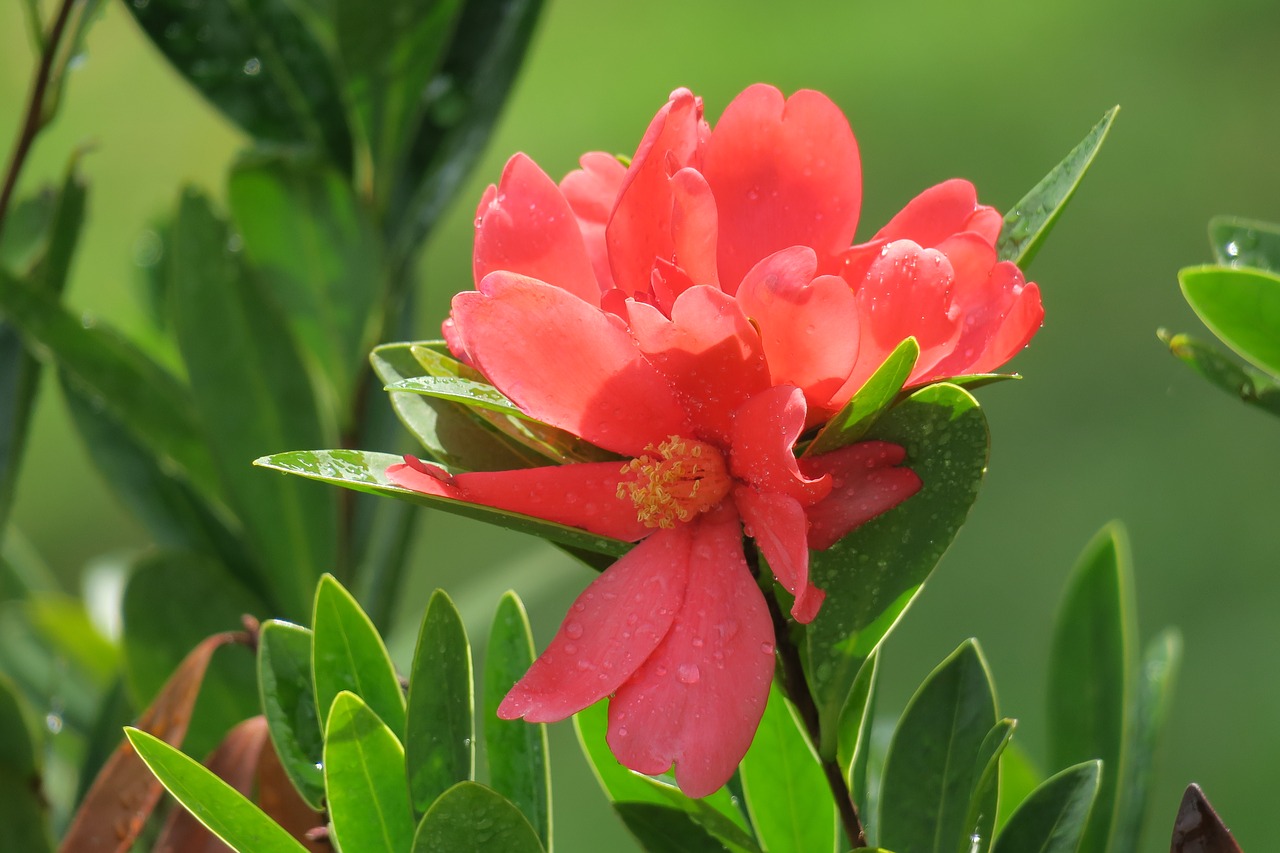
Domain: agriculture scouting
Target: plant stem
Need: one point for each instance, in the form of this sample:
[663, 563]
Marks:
[35, 119]
[797, 690]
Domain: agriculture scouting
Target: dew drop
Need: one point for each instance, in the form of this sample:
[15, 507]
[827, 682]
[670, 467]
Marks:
[767, 648]
[697, 642]
[573, 630]
[53, 722]
[688, 673]
[253, 66]
[622, 731]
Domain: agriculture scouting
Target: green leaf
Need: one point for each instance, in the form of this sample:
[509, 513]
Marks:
[478, 70]
[465, 391]
[258, 64]
[1091, 664]
[1018, 778]
[857, 718]
[388, 61]
[1053, 818]
[221, 808]
[1240, 306]
[22, 239]
[1154, 696]
[21, 750]
[516, 750]
[306, 234]
[365, 471]
[241, 360]
[984, 798]
[872, 574]
[785, 786]
[172, 602]
[470, 818]
[364, 779]
[1030, 220]
[1241, 381]
[662, 829]
[1240, 242]
[23, 810]
[45, 677]
[931, 767]
[347, 654]
[871, 400]
[287, 693]
[451, 433]
[440, 733]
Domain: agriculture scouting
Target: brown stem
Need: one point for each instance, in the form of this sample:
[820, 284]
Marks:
[797, 690]
[35, 118]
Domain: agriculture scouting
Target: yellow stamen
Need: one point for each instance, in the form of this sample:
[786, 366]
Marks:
[683, 478]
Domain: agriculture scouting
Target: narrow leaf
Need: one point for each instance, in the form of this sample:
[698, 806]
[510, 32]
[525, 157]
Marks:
[23, 810]
[348, 654]
[217, 805]
[931, 766]
[440, 733]
[980, 821]
[470, 818]
[1018, 778]
[287, 693]
[516, 750]
[1240, 381]
[1240, 242]
[1091, 665]
[364, 778]
[1240, 306]
[857, 718]
[1030, 220]
[871, 400]
[1053, 818]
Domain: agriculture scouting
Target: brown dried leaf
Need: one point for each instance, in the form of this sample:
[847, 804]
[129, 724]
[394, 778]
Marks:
[282, 803]
[1198, 829]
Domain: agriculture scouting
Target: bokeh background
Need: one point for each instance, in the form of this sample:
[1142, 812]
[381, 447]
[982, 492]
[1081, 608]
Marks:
[1105, 426]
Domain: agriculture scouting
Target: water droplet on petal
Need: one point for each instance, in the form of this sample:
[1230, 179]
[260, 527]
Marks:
[767, 648]
[688, 673]
[573, 630]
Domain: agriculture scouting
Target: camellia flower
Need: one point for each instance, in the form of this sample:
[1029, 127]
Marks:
[695, 313]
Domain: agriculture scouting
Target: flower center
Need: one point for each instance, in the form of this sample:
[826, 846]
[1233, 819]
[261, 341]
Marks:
[682, 478]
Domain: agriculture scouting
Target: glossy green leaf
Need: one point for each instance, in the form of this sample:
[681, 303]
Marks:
[23, 812]
[872, 574]
[440, 733]
[516, 750]
[366, 472]
[305, 233]
[1018, 778]
[26, 225]
[364, 779]
[470, 818]
[388, 60]
[483, 56]
[172, 602]
[785, 786]
[258, 64]
[214, 803]
[857, 718]
[1154, 696]
[241, 359]
[1238, 242]
[662, 829]
[451, 433]
[717, 814]
[1030, 220]
[1240, 306]
[348, 654]
[287, 693]
[1240, 381]
[931, 767]
[980, 820]
[472, 394]
[870, 401]
[1053, 818]
[1091, 665]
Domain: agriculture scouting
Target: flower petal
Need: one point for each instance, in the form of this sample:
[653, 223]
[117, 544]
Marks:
[693, 226]
[780, 528]
[784, 173]
[949, 208]
[866, 484]
[592, 192]
[583, 495]
[709, 352]
[1000, 314]
[765, 429]
[609, 632]
[567, 363]
[698, 699]
[525, 226]
[809, 326]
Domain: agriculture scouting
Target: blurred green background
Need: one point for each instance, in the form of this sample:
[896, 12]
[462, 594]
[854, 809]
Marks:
[1106, 425]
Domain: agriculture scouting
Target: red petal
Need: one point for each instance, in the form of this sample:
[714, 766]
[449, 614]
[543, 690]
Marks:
[698, 699]
[526, 226]
[940, 211]
[784, 173]
[1016, 330]
[582, 495]
[567, 363]
[611, 630]
[765, 429]
[592, 192]
[693, 226]
[780, 528]
[639, 229]
[809, 326]
[708, 351]
[866, 484]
